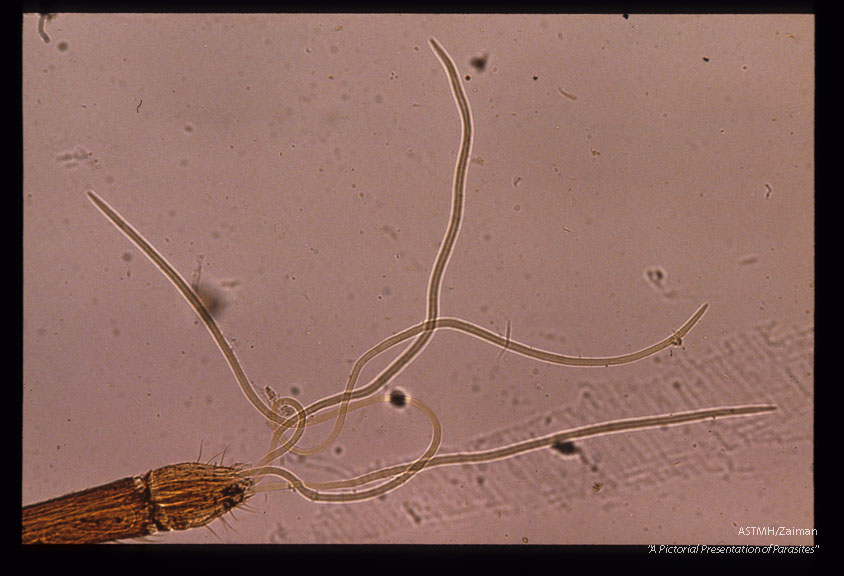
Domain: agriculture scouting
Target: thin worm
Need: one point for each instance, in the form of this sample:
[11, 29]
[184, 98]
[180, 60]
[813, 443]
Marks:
[353, 399]
[271, 412]
[310, 490]
[192, 299]
[463, 326]
[401, 473]
[483, 334]
[426, 328]
[434, 282]
[288, 445]
[434, 285]
[461, 170]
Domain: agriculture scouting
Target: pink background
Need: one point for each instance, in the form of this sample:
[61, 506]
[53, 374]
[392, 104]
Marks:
[306, 161]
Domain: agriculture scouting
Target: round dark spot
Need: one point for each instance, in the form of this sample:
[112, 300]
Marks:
[398, 398]
[294, 390]
[479, 62]
[656, 275]
[62, 46]
[127, 256]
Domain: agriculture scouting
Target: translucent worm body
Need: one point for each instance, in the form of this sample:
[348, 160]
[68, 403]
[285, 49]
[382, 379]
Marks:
[138, 491]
